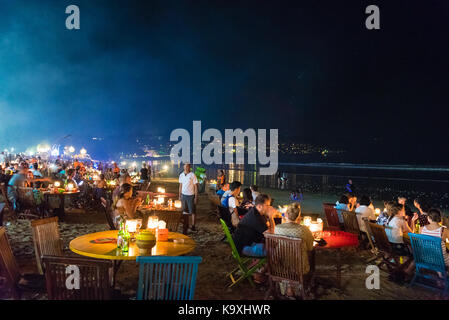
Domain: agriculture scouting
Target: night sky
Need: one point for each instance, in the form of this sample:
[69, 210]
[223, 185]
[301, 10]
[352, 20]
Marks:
[309, 68]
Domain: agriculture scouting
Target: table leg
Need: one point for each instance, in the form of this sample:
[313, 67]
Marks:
[339, 268]
[116, 266]
[185, 223]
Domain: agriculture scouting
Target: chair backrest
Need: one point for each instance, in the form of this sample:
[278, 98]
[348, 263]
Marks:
[47, 240]
[172, 218]
[380, 237]
[94, 278]
[427, 252]
[2, 208]
[167, 278]
[331, 215]
[225, 215]
[350, 221]
[26, 197]
[284, 257]
[108, 213]
[8, 263]
[234, 251]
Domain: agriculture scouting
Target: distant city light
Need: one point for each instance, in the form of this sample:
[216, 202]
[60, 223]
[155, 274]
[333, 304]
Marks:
[71, 149]
[83, 151]
[123, 163]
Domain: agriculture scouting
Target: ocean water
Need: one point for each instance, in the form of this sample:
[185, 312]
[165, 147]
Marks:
[380, 182]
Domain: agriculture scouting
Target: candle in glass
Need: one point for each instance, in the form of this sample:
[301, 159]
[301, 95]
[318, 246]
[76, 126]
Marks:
[307, 221]
[178, 204]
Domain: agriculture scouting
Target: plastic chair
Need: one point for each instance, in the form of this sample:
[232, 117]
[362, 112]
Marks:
[167, 278]
[428, 254]
[244, 265]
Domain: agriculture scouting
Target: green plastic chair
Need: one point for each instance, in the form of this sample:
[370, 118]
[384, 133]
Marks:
[244, 263]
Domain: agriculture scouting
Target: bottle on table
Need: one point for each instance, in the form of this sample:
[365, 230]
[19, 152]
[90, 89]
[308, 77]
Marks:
[417, 226]
[120, 235]
[126, 239]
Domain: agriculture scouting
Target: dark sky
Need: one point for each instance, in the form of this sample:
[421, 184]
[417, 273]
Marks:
[309, 68]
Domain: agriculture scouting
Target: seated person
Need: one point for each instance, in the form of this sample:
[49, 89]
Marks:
[71, 178]
[293, 228]
[255, 192]
[231, 202]
[423, 208]
[395, 228]
[248, 237]
[382, 219]
[342, 204]
[125, 178]
[19, 179]
[126, 206]
[352, 201]
[100, 189]
[434, 229]
[35, 170]
[222, 190]
[247, 202]
[364, 211]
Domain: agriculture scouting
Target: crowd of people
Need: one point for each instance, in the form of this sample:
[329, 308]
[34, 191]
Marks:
[88, 177]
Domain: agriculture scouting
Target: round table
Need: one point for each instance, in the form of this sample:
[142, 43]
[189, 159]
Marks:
[84, 246]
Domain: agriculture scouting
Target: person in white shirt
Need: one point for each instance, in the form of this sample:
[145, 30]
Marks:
[364, 211]
[188, 192]
[255, 192]
[230, 201]
[396, 227]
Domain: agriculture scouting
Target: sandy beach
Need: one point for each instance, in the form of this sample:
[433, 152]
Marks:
[217, 261]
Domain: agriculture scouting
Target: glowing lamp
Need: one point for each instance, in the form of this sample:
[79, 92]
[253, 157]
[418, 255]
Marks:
[178, 204]
[160, 200]
[307, 221]
[57, 184]
[155, 202]
[316, 226]
[71, 149]
[131, 225]
[162, 224]
[153, 222]
[70, 186]
[165, 167]
[377, 211]
[83, 151]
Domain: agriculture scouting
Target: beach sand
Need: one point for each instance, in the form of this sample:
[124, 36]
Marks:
[217, 260]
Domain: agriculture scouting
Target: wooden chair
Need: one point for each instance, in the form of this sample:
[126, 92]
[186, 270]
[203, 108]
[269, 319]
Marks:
[350, 222]
[16, 283]
[4, 195]
[244, 263]
[94, 278]
[28, 205]
[2, 208]
[167, 278]
[172, 218]
[284, 256]
[369, 235]
[385, 248]
[47, 240]
[331, 216]
[109, 214]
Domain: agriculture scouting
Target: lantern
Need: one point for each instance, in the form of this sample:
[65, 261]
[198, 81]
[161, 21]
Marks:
[162, 224]
[178, 204]
[57, 184]
[307, 221]
[131, 225]
[316, 226]
[70, 187]
[153, 222]
[377, 211]
[160, 200]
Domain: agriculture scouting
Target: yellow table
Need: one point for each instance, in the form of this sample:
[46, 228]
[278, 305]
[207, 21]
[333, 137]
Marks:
[83, 246]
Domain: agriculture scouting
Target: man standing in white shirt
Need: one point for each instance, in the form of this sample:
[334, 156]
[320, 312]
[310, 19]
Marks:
[188, 193]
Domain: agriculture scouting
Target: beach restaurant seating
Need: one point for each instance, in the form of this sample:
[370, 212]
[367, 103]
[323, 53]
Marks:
[285, 264]
[167, 278]
[350, 222]
[331, 216]
[245, 264]
[428, 255]
[16, 283]
[94, 279]
[47, 240]
[385, 250]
